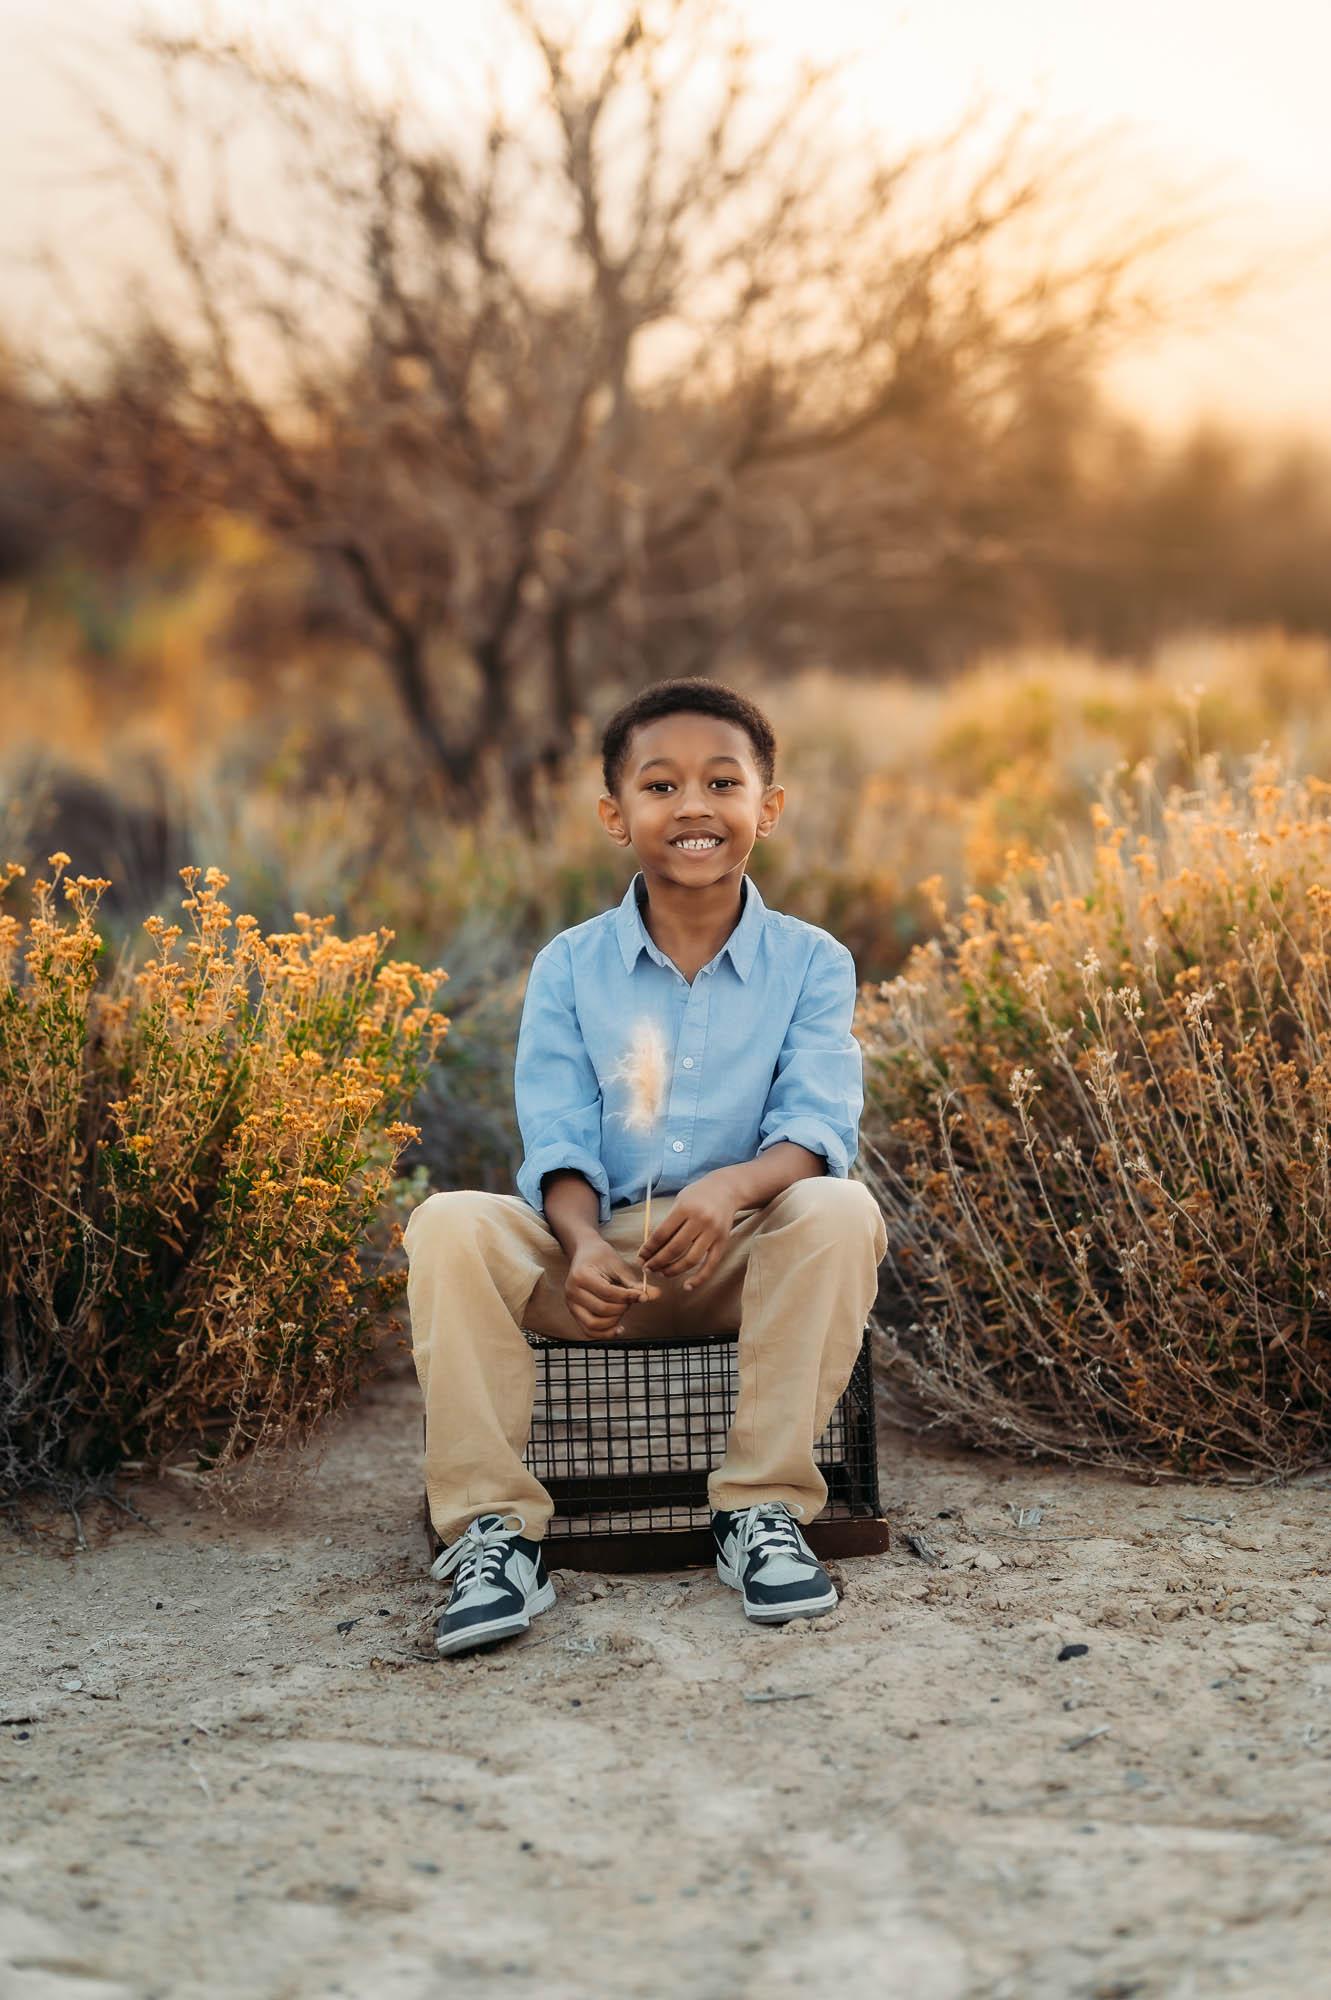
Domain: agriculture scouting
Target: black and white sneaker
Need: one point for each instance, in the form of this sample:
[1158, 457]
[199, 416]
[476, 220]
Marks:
[500, 1585]
[761, 1551]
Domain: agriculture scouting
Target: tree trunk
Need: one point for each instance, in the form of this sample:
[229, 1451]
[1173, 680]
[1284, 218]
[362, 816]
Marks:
[455, 762]
[496, 728]
[564, 699]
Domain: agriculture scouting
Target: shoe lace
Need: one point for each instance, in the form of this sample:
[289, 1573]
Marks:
[478, 1553]
[771, 1530]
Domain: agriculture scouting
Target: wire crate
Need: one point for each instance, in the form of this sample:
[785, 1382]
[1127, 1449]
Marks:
[625, 1432]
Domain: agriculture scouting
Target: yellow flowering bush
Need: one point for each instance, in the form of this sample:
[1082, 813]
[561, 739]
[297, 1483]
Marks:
[1099, 1120]
[191, 1153]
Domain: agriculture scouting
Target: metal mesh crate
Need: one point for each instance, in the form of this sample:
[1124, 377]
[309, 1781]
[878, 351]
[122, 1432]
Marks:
[624, 1434]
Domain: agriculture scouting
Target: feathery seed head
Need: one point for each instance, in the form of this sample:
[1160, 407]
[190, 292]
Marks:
[644, 1072]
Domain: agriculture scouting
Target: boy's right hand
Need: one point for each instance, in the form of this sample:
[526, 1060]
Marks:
[601, 1286]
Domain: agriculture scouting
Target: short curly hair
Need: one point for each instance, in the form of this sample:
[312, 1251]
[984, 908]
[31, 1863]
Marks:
[686, 697]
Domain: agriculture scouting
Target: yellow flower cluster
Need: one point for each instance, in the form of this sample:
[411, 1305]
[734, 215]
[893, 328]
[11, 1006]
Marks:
[191, 1154]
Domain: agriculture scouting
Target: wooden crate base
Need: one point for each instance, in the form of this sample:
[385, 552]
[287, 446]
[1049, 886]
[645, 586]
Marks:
[687, 1548]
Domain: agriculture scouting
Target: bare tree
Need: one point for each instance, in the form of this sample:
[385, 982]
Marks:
[552, 386]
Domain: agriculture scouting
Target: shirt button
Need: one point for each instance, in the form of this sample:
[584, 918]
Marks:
[688, 1062]
[678, 1146]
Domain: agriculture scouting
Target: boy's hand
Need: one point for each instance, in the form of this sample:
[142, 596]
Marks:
[601, 1286]
[694, 1233]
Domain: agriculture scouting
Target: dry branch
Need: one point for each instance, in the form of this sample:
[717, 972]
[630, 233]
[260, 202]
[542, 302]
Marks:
[516, 384]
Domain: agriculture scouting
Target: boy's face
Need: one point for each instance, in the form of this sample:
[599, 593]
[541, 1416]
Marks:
[690, 800]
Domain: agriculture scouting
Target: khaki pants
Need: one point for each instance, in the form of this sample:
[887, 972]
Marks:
[797, 1279]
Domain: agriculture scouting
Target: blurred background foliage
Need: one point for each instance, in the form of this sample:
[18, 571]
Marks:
[905, 795]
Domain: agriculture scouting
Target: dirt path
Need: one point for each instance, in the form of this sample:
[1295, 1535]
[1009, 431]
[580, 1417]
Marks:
[207, 1789]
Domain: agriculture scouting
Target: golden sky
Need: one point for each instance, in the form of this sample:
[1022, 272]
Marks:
[1226, 96]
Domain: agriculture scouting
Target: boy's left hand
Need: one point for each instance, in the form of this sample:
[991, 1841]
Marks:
[693, 1235]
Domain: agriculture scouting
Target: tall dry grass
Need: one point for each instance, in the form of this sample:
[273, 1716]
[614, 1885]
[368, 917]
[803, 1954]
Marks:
[218, 730]
[191, 1154]
[1098, 1126]
[282, 757]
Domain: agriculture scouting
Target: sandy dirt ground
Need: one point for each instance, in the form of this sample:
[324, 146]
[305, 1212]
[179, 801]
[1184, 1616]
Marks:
[230, 1764]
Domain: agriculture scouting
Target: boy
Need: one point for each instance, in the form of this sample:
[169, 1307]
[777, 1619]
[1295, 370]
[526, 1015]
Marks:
[758, 1225]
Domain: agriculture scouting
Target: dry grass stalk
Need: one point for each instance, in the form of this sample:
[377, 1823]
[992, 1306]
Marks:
[189, 1159]
[1098, 1125]
[644, 1074]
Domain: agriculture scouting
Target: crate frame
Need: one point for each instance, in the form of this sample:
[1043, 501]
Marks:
[624, 1433]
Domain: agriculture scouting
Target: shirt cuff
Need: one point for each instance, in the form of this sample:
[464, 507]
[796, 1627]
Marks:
[562, 1160]
[816, 1136]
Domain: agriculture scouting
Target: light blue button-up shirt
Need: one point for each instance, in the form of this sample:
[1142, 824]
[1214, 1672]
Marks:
[759, 1049]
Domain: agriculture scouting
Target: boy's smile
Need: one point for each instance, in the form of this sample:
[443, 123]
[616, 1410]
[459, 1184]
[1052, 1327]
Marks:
[691, 801]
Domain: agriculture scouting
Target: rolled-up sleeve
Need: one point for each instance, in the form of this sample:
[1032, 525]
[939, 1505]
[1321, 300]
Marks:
[555, 1088]
[817, 1090]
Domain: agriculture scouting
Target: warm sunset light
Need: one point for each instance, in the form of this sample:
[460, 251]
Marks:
[1216, 97]
[773, 558]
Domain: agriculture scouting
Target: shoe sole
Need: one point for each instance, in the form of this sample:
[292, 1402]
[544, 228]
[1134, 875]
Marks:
[776, 1614]
[498, 1628]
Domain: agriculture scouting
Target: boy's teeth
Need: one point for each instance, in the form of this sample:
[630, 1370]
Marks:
[708, 840]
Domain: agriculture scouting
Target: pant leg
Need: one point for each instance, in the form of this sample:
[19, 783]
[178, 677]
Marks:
[475, 1261]
[799, 1277]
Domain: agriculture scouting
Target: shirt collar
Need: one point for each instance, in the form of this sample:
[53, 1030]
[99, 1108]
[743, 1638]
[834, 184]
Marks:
[741, 945]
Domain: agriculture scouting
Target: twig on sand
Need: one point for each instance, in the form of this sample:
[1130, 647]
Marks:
[135, 1513]
[1003, 1535]
[926, 1551]
[1080, 1742]
[783, 1694]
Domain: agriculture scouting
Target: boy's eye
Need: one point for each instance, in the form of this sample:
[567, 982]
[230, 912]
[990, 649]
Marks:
[667, 784]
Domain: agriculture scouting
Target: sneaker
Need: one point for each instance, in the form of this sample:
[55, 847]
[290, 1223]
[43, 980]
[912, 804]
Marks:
[761, 1551]
[500, 1585]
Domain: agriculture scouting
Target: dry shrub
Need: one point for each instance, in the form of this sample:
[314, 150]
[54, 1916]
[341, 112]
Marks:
[1099, 1125]
[190, 1156]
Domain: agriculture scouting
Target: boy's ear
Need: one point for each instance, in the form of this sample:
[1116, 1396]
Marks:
[774, 800]
[612, 819]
